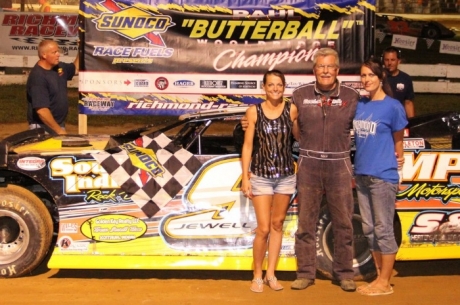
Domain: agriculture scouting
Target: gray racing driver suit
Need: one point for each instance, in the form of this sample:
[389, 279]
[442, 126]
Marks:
[325, 168]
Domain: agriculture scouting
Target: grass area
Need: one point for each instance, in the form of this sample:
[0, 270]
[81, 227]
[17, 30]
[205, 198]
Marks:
[14, 108]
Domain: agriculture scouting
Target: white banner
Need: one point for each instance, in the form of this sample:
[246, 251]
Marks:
[449, 47]
[177, 83]
[22, 32]
[404, 42]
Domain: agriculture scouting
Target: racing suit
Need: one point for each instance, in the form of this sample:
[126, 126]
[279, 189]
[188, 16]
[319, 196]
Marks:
[325, 167]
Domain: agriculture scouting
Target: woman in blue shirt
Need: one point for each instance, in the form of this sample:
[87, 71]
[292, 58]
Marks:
[378, 128]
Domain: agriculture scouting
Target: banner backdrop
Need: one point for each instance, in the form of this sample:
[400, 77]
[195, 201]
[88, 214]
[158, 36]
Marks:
[22, 32]
[170, 57]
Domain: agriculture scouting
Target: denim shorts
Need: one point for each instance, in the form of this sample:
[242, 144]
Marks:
[376, 199]
[269, 186]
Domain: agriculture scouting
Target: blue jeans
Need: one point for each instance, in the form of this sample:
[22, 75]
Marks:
[314, 179]
[377, 208]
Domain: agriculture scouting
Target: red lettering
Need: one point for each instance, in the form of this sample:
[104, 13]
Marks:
[31, 31]
[49, 20]
[69, 20]
[17, 30]
[46, 30]
[10, 19]
[34, 19]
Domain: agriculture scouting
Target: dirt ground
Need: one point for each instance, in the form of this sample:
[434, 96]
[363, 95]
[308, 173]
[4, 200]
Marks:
[420, 283]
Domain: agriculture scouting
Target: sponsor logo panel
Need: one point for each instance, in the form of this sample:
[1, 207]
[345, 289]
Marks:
[113, 228]
[31, 163]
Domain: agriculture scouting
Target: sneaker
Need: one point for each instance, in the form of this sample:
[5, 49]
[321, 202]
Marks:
[348, 285]
[302, 283]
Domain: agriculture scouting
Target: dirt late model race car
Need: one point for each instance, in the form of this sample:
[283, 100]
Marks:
[411, 27]
[170, 199]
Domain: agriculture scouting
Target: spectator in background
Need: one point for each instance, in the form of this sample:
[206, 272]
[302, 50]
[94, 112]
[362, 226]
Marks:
[400, 82]
[47, 89]
[45, 7]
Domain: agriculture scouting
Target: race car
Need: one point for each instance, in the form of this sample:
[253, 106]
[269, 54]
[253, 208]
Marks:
[411, 27]
[168, 197]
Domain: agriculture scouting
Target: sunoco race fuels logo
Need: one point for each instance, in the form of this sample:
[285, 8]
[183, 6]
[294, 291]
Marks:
[133, 23]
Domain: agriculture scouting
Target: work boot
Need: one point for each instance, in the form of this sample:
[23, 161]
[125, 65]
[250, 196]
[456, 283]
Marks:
[348, 285]
[302, 283]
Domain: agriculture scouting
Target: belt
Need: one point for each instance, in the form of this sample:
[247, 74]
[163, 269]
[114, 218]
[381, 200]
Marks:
[322, 155]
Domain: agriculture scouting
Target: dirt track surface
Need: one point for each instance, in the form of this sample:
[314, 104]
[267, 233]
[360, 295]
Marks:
[414, 283]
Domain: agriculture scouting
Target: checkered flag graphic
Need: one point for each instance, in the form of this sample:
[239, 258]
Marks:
[429, 42]
[151, 169]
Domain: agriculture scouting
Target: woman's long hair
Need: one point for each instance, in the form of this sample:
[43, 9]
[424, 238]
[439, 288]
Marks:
[377, 68]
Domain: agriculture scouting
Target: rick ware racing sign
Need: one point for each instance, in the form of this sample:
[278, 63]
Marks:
[154, 57]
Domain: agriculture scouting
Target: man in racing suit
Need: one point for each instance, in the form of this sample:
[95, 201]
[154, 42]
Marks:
[326, 110]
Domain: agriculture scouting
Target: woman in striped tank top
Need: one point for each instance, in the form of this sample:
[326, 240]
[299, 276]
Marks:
[268, 173]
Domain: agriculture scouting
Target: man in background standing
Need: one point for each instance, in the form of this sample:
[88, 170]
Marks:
[400, 82]
[47, 89]
[45, 7]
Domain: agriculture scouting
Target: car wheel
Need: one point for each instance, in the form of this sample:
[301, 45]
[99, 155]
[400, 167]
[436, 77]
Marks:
[26, 230]
[363, 265]
[431, 32]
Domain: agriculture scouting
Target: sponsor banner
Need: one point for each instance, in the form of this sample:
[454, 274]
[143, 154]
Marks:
[128, 99]
[404, 42]
[449, 47]
[210, 47]
[22, 32]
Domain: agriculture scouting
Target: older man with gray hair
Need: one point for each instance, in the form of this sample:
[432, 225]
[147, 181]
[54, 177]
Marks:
[47, 89]
[326, 110]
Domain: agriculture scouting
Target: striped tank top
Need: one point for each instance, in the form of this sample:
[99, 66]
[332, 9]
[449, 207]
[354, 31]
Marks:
[272, 153]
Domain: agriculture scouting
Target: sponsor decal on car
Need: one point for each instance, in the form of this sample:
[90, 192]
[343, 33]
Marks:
[113, 228]
[436, 227]
[68, 228]
[418, 143]
[31, 163]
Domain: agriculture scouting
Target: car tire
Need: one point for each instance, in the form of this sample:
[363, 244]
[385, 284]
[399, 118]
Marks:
[431, 32]
[26, 231]
[363, 265]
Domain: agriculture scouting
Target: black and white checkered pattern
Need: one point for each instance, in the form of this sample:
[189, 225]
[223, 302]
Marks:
[151, 192]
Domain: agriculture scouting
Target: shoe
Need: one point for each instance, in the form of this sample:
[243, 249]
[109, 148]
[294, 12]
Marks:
[376, 291]
[272, 282]
[257, 285]
[362, 287]
[302, 283]
[348, 285]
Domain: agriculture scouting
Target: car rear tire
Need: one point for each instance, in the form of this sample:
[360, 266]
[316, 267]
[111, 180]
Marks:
[26, 231]
[363, 265]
